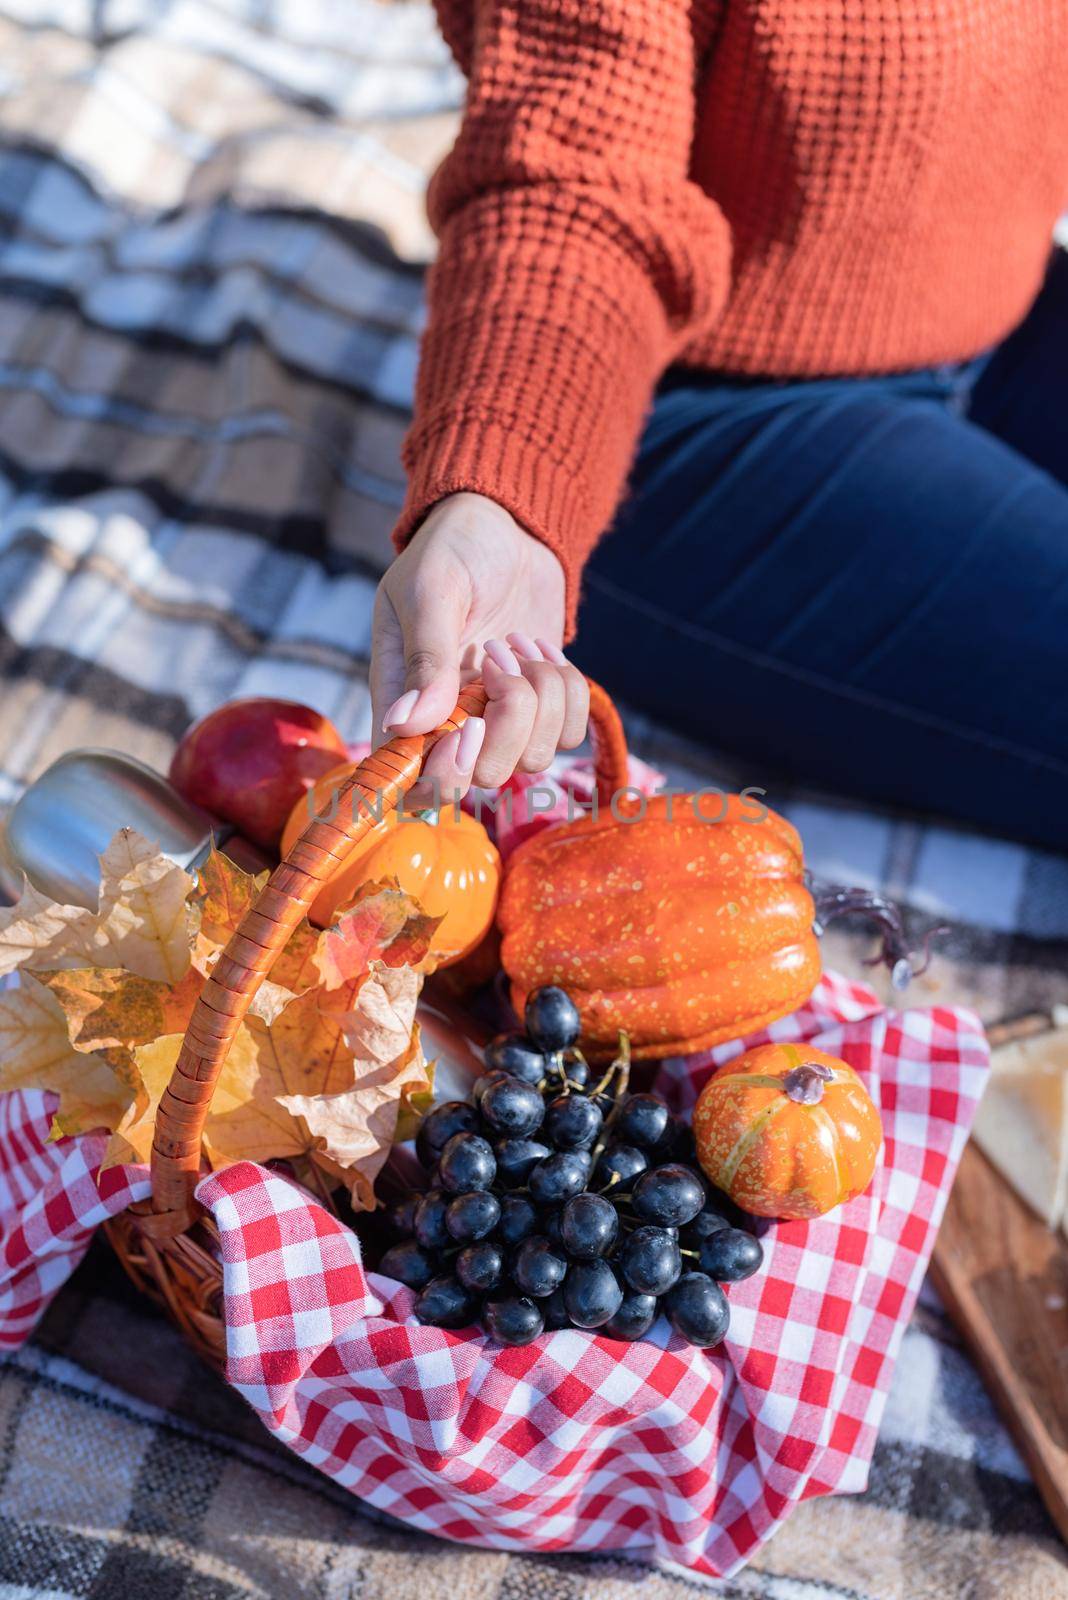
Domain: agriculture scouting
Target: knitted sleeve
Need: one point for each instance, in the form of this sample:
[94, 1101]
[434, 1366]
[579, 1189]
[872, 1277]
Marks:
[574, 256]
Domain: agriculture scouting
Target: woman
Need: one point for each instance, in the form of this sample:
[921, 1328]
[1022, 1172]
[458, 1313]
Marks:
[787, 265]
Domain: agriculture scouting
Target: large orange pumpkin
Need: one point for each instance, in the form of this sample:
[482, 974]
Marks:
[787, 1131]
[683, 930]
[447, 862]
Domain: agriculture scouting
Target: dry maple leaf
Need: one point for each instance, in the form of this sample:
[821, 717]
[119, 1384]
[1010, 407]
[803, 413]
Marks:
[224, 892]
[294, 1089]
[305, 1055]
[354, 1131]
[245, 1120]
[36, 929]
[323, 1065]
[296, 969]
[377, 1023]
[143, 921]
[385, 924]
[132, 1136]
[95, 1091]
[108, 1007]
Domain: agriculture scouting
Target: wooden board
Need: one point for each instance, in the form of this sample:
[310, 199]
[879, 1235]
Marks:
[1004, 1278]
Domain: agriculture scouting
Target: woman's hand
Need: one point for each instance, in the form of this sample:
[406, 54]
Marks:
[473, 592]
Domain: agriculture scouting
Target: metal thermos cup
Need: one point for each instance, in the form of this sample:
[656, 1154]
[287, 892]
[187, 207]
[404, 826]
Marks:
[61, 824]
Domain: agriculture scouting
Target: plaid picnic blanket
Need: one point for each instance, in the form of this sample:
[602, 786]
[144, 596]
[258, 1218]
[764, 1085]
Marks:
[211, 237]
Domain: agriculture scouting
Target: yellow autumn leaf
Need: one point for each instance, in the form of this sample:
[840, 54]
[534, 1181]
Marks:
[378, 1025]
[36, 1053]
[355, 1130]
[145, 921]
[246, 1121]
[132, 1138]
[224, 892]
[142, 922]
[313, 1053]
[108, 1007]
[36, 930]
[297, 968]
[309, 1055]
[105, 996]
[302, 1050]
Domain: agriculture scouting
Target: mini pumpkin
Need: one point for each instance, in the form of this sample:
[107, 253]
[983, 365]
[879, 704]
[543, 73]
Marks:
[787, 1131]
[445, 860]
[684, 920]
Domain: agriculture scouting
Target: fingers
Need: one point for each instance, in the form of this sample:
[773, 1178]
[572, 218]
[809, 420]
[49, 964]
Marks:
[576, 696]
[537, 702]
[536, 705]
[449, 769]
[415, 657]
[511, 707]
[550, 700]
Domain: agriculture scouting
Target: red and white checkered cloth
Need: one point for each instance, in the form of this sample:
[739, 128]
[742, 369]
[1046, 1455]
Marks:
[576, 1441]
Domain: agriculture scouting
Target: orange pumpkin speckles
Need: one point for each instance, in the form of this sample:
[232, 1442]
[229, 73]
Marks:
[682, 932]
[787, 1131]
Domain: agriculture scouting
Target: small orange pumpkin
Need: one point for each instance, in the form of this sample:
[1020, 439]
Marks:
[446, 861]
[683, 930]
[787, 1131]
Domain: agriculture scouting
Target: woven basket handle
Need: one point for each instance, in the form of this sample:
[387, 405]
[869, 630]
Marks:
[384, 776]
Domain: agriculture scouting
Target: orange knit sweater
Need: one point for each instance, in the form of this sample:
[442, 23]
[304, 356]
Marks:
[777, 187]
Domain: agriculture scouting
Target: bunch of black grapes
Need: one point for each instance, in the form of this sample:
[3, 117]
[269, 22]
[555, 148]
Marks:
[558, 1201]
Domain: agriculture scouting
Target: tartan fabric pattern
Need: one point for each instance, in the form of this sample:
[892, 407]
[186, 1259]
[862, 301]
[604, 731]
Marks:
[576, 1441]
[210, 301]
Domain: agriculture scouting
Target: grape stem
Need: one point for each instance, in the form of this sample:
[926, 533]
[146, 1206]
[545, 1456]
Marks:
[619, 1092]
[558, 1065]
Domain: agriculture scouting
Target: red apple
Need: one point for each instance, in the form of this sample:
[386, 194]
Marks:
[250, 761]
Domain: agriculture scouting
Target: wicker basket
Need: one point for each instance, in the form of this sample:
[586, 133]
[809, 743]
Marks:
[168, 1244]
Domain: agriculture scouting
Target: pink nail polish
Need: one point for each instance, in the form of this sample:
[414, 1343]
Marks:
[524, 645]
[442, 759]
[472, 734]
[502, 657]
[400, 710]
[552, 653]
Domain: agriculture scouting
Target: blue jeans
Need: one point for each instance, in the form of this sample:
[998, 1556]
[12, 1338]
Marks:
[860, 583]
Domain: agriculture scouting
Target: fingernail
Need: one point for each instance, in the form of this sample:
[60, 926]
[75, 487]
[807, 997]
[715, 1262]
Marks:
[471, 736]
[442, 759]
[502, 657]
[552, 653]
[524, 644]
[400, 710]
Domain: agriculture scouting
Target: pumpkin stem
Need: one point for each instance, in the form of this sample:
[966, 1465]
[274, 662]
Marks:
[835, 900]
[804, 1084]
